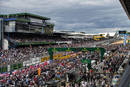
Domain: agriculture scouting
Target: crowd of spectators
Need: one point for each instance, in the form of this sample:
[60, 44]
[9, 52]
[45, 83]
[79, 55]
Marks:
[37, 39]
[67, 72]
[15, 55]
[29, 38]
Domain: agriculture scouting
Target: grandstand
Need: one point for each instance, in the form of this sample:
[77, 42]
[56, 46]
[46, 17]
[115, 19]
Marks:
[27, 23]
[24, 24]
[25, 29]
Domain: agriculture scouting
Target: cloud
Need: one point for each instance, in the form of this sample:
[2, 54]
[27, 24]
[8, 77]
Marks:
[77, 25]
[77, 15]
[96, 2]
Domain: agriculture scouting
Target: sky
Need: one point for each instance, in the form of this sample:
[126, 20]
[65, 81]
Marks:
[90, 16]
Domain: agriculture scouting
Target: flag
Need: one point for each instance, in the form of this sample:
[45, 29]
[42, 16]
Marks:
[23, 70]
[31, 66]
[90, 70]
[14, 72]
[62, 64]
[7, 74]
[45, 63]
[88, 61]
[39, 71]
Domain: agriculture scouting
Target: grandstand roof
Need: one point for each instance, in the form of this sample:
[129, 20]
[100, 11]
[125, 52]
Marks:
[126, 6]
[24, 14]
[17, 19]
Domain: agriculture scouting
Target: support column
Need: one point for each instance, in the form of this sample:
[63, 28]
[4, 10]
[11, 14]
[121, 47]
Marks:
[1, 32]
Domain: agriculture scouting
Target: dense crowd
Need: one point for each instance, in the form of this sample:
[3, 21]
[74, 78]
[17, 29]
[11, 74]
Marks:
[67, 72]
[14, 55]
[37, 40]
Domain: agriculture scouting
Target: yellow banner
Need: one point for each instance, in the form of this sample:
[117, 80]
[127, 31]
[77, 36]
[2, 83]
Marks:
[59, 56]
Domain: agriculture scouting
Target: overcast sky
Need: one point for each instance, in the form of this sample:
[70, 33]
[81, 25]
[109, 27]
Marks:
[90, 16]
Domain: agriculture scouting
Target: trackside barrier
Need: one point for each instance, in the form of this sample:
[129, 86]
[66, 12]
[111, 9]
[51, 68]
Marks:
[32, 61]
[26, 63]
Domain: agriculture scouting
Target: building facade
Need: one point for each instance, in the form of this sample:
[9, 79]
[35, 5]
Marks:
[27, 23]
